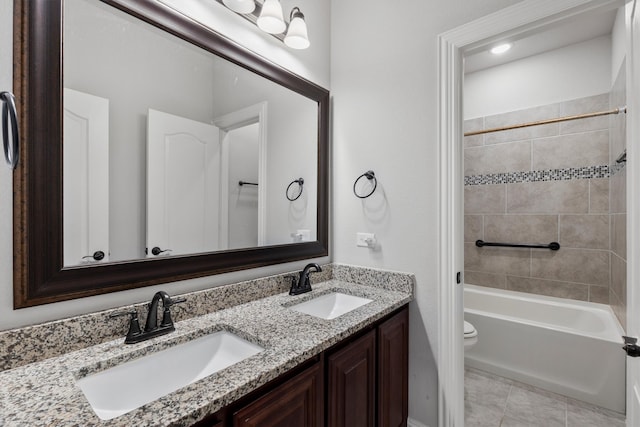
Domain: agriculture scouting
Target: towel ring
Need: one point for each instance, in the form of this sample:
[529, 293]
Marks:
[300, 183]
[370, 175]
[10, 118]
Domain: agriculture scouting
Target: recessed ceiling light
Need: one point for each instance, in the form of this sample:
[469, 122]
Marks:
[501, 48]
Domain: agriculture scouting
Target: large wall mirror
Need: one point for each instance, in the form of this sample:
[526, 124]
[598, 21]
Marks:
[156, 150]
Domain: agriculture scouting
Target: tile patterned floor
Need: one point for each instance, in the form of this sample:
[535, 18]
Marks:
[493, 401]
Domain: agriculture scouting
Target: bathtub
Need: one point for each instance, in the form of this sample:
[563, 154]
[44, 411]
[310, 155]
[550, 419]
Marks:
[568, 347]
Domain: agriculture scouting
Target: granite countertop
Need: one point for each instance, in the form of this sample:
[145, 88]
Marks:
[45, 393]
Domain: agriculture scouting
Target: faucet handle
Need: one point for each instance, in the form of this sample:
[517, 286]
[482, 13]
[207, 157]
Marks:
[167, 321]
[177, 300]
[134, 323]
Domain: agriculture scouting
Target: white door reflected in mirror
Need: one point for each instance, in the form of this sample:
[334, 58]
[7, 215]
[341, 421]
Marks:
[86, 178]
[183, 185]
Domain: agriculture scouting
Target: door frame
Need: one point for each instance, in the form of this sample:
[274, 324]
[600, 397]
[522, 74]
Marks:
[256, 113]
[633, 206]
[512, 21]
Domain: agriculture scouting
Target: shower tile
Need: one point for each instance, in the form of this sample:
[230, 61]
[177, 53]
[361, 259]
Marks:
[584, 231]
[571, 151]
[599, 195]
[535, 408]
[521, 228]
[497, 260]
[500, 158]
[550, 288]
[590, 104]
[489, 280]
[619, 308]
[519, 117]
[618, 192]
[618, 123]
[548, 197]
[484, 198]
[572, 265]
[599, 294]
[470, 126]
[619, 235]
[581, 416]
[473, 228]
[619, 277]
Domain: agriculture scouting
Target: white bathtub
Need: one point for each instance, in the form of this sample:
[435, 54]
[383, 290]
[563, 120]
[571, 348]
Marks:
[568, 347]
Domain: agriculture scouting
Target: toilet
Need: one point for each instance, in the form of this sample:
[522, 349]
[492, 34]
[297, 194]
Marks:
[470, 335]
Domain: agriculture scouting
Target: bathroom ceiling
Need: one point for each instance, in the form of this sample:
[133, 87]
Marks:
[552, 37]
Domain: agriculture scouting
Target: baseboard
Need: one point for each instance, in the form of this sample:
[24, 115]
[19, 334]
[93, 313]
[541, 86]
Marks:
[414, 423]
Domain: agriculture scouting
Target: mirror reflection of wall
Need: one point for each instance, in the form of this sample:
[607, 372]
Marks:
[137, 67]
[243, 198]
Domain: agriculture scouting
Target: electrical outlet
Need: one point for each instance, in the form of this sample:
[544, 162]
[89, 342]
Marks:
[365, 240]
[305, 235]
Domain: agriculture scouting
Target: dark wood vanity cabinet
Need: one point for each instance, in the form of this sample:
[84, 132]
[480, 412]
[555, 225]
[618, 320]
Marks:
[368, 377]
[393, 371]
[351, 384]
[360, 382]
[297, 402]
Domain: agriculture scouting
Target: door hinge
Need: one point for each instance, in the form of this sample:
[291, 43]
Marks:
[630, 346]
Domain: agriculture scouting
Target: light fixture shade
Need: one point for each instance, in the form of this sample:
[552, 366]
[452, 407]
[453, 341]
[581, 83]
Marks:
[297, 37]
[240, 6]
[271, 20]
[501, 48]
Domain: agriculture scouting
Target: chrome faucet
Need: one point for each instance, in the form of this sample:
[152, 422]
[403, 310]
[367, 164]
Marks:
[151, 329]
[303, 284]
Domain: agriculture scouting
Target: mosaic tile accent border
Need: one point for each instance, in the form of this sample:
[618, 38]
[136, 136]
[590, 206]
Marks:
[565, 174]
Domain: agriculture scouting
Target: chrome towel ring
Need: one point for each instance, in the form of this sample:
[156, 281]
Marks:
[9, 116]
[300, 183]
[370, 175]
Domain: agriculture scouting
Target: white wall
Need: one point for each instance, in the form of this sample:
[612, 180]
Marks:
[618, 44]
[575, 71]
[384, 88]
[312, 64]
[243, 200]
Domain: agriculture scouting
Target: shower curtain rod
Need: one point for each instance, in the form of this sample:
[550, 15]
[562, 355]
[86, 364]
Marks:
[548, 121]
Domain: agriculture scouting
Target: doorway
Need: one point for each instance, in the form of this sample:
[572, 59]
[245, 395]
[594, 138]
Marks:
[516, 21]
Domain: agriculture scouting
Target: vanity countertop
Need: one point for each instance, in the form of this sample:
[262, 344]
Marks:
[45, 393]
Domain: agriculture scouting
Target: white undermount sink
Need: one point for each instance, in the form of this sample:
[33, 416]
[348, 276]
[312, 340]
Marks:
[125, 387]
[330, 306]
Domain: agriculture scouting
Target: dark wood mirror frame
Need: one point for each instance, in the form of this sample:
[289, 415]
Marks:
[39, 276]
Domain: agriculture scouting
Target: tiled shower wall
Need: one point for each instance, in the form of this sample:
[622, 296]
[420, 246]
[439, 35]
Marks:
[537, 185]
[618, 202]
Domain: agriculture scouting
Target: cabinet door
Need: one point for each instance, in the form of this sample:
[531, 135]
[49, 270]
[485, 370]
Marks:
[296, 403]
[351, 384]
[393, 377]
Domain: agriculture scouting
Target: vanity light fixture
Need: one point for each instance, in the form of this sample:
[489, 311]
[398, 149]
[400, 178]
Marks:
[269, 18]
[240, 6]
[297, 37]
[501, 48]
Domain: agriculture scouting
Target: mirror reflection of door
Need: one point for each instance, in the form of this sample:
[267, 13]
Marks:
[183, 185]
[243, 150]
[86, 178]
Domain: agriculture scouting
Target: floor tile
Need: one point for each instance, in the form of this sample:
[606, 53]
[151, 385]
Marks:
[477, 415]
[512, 422]
[488, 391]
[579, 416]
[493, 401]
[534, 406]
